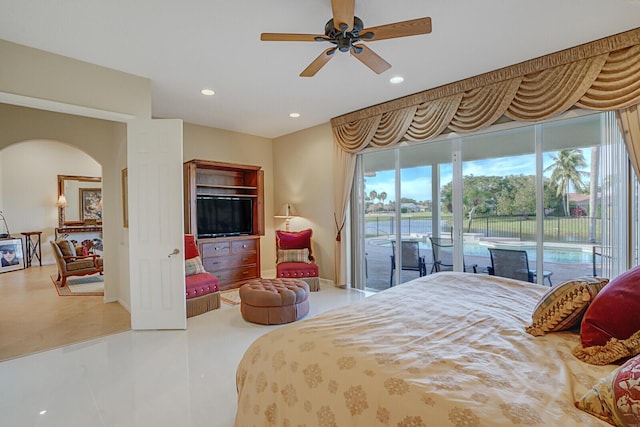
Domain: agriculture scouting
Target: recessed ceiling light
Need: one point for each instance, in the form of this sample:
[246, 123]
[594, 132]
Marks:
[294, 115]
[207, 92]
[396, 80]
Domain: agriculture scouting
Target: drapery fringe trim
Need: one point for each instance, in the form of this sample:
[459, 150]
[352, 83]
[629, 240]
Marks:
[601, 75]
[613, 350]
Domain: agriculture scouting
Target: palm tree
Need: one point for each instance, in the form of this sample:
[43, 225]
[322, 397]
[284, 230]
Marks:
[566, 172]
[382, 196]
[373, 195]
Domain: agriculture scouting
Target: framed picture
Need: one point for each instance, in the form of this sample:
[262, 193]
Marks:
[12, 257]
[125, 206]
[90, 204]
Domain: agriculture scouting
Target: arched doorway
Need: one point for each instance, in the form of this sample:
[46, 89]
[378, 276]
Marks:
[40, 319]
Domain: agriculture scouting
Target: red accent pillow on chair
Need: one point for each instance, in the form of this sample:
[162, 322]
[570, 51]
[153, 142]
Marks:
[294, 240]
[190, 247]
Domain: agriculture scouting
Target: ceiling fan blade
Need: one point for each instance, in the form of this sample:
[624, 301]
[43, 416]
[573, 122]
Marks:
[285, 37]
[343, 12]
[370, 59]
[318, 63]
[412, 27]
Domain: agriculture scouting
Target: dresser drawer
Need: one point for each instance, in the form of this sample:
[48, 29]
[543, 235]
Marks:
[243, 245]
[213, 264]
[232, 275]
[209, 249]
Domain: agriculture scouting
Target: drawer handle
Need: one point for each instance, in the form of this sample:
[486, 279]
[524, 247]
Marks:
[245, 259]
[244, 246]
[244, 273]
[215, 263]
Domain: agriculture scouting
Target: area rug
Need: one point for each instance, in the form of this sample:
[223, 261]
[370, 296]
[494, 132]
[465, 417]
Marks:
[80, 286]
[230, 296]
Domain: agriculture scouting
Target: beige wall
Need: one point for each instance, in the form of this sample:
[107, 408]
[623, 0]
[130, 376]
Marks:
[37, 74]
[303, 162]
[29, 173]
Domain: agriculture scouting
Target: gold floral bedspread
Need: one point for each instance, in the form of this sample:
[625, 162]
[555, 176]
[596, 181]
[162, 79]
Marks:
[443, 350]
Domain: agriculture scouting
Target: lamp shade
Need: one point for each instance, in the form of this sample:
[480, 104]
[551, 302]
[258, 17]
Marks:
[62, 201]
[286, 211]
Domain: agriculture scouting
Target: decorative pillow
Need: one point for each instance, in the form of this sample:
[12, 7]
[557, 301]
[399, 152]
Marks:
[193, 266]
[563, 306]
[293, 255]
[67, 248]
[294, 239]
[190, 247]
[610, 328]
[615, 398]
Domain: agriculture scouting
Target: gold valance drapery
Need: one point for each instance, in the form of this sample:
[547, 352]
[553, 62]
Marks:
[601, 75]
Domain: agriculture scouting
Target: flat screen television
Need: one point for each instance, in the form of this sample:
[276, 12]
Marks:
[224, 216]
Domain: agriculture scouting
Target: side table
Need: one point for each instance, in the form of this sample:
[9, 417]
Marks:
[32, 247]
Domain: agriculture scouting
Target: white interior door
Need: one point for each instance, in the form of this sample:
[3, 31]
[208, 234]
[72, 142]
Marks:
[154, 158]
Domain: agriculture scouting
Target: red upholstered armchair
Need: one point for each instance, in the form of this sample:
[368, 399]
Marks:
[294, 258]
[202, 290]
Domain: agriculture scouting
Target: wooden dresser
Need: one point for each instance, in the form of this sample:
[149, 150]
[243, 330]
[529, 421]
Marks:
[233, 260]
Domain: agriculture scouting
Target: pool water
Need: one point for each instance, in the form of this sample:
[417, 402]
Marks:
[556, 255]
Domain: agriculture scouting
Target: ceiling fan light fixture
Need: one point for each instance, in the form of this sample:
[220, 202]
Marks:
[346, 31]
[396, 80]
[207, 92]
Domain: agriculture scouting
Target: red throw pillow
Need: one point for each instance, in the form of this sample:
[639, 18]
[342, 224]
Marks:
[190, 247]
[610, 328]
[294, 239]
[614, 312]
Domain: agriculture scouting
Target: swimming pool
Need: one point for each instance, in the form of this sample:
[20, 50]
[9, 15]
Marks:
[560, 255]
[555, 254]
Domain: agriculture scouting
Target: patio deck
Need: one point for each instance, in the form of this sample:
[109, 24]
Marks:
[379, 266]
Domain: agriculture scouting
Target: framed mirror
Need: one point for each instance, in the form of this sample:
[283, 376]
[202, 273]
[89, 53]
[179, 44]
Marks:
[79, 201]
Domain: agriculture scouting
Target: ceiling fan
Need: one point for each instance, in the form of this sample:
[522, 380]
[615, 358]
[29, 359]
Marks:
[346, 31]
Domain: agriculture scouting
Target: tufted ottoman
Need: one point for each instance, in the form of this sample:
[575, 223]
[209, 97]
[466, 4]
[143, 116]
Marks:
[274, 301]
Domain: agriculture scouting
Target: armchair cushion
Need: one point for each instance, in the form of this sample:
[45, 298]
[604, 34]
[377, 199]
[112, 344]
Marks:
[67, 249]
[201, 284]
[293, 255]
[296, 270]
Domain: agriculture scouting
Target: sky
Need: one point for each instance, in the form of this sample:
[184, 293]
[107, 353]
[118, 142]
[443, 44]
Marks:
[416, 182]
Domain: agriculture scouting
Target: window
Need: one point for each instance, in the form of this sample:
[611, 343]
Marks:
[557, 189]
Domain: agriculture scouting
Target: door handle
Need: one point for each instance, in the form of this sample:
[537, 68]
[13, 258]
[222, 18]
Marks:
[176, 251]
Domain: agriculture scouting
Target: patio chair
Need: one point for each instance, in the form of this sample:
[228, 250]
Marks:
[442, 250]
[411, 259]
[514, 264]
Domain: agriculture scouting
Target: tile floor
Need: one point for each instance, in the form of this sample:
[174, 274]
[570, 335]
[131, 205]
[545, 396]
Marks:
[141, 378]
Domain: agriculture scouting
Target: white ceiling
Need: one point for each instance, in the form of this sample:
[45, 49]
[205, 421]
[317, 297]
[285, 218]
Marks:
[184, 46]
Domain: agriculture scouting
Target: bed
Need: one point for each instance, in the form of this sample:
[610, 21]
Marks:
[448, 349]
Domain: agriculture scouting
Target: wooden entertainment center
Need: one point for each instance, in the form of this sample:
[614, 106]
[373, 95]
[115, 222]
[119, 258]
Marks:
[232, 257]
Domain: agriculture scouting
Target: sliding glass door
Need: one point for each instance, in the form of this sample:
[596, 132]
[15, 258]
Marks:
[556, 191]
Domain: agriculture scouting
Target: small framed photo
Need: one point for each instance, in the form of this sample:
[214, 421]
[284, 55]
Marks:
[90, 203]
[12, 257]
